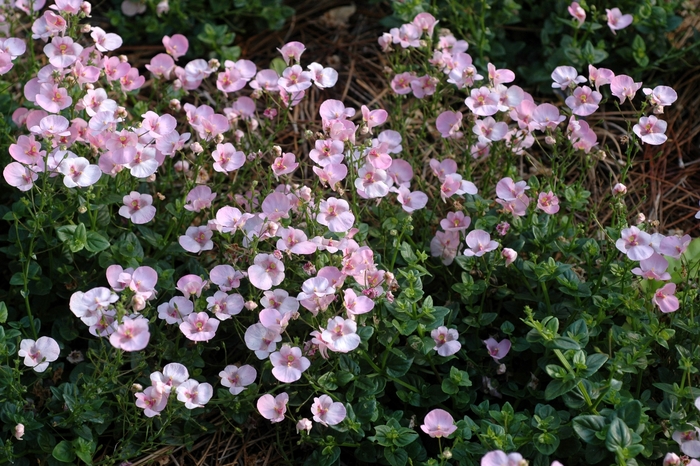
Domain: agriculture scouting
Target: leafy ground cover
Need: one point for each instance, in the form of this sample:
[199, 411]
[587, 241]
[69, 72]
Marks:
[348, 250]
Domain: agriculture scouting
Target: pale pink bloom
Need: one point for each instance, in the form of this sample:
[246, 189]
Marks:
[132, 80]
[18, 431]
[497, 350]
[62, 51]
[653, 268]
[424, 86]
[509, 255]
[600, 76]
[660, 97]
[78, 171]
[502, 228]
[582, 136]
[226, 277]
[89, 306]
[673, 246]
[323, 77]
[175, 310]
[577, 12]
[292, 51]
[176, 45]
[328, 412]
[288, 364]
[316, 286]
[623, 87]
[671, 459]
[617, 21]
[545, 116]
[105, 42]
[444, 168]
[479, 243]
[636, 244]
[280, 300]
[327, 151]
[52, 98]
[455, 221]
[19, 176]
[689, 442]
[262, 340]
[138, 208]
[483, 101]
[584, 101]
[237, 378]
[619, 188]
[133, 7]
[446, 343]
[295, 79]
[131, 335]
[445, 246]
[266, 80]
[305, 424]
[401, 83]
[341, 335]
[190, 285]
[284, 165]
[161, 66]
[400, 172]
[227, 158]
[438, 423]
[454, 184]
[425, 22]
[152, 401]
[565, 77]
[665, 299]
[548, 202]
[651, 130]
[225, 305]
[143, 281]
[173, 375]
[331, 110]
[294, 241]
[199, 198]
[273, 408]
[374, 117]
[356, 305]
[199, 327]
[499, 458]
[411, 200]
[489, 130]
[449, 123]
[499, 76]
[194, 394]
[266, 272]
[197, 239]
[38, 354]
[335, 214]
[331, 174]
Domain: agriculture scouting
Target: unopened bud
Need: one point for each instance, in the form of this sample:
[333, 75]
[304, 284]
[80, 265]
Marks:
[196, 148]
[85, 28]
[257, 93]
[640, 218]
[619, 188]
[138, 303]
[86, 8]
[251, 305]
[151, 178]
[160, 196]
[182, 166]
[550, 140]
[89, 86]
[214, 64]
[219, 138]
[82, 209]
[175, 105]
[123, 58]
[501, 369]
[277, 150]
[136, 387]
[121, 112]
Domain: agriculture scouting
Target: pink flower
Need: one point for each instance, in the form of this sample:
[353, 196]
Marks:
[237, 378]
[292, 51]
[374, 117]
[497, 350]
[227, 158]
[445, 246]
[138, 208]
[584, 101]
[105, 42]
[62, 51]
[335, 214]
[295, 79]
[653, 268]
[152, 401]
[176, 45]
[482, 101]
[199, 198]
[479, 243]
[565, 77]
[328, 412]
[509, 255]
[175, 310]
[548, 202]
[449, 123]
[455, 221]
[191, 284]
[266, 272]
[617, 21]
[323, 77]
[197, 239]
[288, 364]
[262, 340]
[38, 354]
[401, 84]
[446, 343]
[673, 246]
[18, 431]
[194, 394]
[664, 298]
[619, 188]
[411, 201]
[500, 76]
[199, 327]
[425, 22]
[651, 130]
[131, 335]
[225, 305]
[489, 130]
[356, 305]
[623, 87]
[499, 458]
[660, 97]
[52, 98]
[305, 424]
[273, 408]
[577, 12]
[226, 277]
[19, 176]
[636, 244]
[341, 335]
[502, 228]
[284, 165]
[438, 423]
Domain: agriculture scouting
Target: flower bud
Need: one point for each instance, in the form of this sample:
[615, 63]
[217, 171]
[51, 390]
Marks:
[177, 85]
[641, 218]
[509, 255]
[138, 303]
[501, 369]
[123, 59]
[162, 7]
[309, 269]
[277, 150]
[175, 105]
[304, 424]
[151, 178]
[257, 93]
[182, 166]
[196, 148]
[219, 138]
[270, 113]
[19, 431]
[86, 8]
[550, 140]
[85, 28]
[251, 305]
[619, 188]
[214, 64]
[671, 459]
[82, 209]
[136, 387]
[89, 86]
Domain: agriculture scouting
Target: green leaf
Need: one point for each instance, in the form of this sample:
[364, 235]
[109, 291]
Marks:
[593, 363]
[546, 443]
[566, 343]
[408, 254]
[398, 457]
[85, 449]
[619, 436]
[631, 413]
[587, 426]
[63, 452]
[3, 312]
[95, 242]
[397, 364]
[556, 388]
